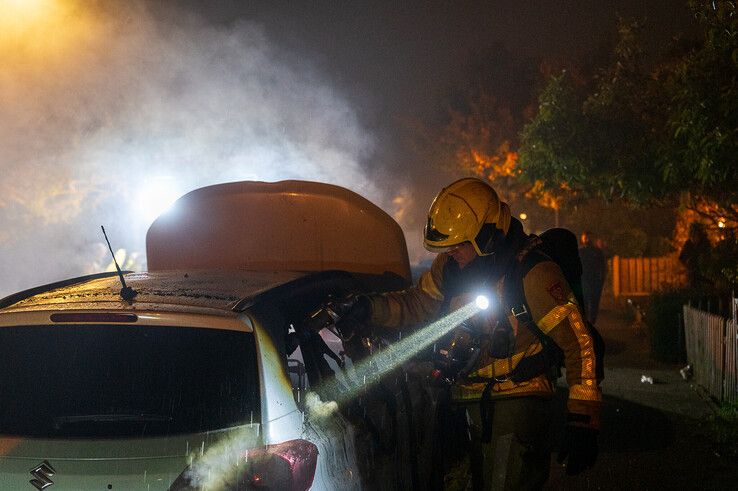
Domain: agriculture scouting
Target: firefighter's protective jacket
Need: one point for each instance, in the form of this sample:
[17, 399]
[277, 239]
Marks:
[552, 307]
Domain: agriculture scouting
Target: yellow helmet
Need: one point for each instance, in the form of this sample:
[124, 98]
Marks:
[466, 210]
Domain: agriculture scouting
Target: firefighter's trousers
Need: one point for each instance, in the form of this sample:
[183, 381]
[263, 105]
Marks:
[518, 456]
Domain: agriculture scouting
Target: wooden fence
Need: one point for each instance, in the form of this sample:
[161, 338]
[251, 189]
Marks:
[641, 276]
[712, 350]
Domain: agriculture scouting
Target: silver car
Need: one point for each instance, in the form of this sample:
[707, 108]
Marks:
[205, 378]
[177, 390]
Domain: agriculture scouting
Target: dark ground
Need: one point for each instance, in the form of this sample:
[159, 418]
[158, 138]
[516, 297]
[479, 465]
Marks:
[656, 436]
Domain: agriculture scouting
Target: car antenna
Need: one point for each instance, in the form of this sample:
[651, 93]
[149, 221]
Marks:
[126, 293]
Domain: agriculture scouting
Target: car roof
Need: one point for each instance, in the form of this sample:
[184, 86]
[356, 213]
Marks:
[213, 292]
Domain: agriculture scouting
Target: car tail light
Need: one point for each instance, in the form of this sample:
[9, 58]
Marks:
[288, 466]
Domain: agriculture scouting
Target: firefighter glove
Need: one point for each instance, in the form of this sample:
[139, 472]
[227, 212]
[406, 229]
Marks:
[355, 308]
[579, 449]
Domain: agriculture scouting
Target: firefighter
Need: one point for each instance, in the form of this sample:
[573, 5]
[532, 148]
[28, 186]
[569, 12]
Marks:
[508, 394]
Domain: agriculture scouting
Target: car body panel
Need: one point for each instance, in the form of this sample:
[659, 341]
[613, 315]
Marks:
[125, 464]
[207, 292]
[192, 300]
[277, 226]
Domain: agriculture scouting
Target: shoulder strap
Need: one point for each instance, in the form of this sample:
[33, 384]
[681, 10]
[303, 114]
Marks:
[449, 284]
[513, 290]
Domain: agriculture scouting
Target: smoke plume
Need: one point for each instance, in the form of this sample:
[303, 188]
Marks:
[99, 103]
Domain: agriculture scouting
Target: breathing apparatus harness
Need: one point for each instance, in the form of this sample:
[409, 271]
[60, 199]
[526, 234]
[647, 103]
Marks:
[456, 363]
[512, 257]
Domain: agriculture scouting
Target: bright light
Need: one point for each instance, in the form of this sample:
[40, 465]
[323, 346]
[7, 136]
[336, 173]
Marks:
[482, 302]
[34, 32]
[523, 216]
[18, 15]
[155, 197]
[721, 224]
[24, 9]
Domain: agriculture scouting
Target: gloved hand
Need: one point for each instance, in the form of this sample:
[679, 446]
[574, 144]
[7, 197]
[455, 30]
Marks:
[579, 449]
[353, 308]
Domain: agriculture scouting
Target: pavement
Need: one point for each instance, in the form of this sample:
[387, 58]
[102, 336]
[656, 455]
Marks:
[654, 436]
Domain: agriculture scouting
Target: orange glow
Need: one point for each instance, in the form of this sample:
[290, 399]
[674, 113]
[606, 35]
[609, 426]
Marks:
[21, 17]
[21, 13]
[708, 213]
[34, 30]
[543, 197]
[504, 164]
[493, 166]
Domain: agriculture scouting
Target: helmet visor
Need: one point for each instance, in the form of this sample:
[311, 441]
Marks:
[435, 240]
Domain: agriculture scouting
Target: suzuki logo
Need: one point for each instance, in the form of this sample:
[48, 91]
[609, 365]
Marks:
[42, 473]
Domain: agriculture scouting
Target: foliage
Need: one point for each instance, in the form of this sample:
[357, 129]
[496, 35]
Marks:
[478, 140]
[550, 145]
[646, 131]
[637, 132]
[625, 229]
[702, 155]
[596, 137]
[722, 264]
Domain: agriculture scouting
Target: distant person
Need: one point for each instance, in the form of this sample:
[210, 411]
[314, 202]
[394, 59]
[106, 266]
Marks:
[593, 275]
[694, 255]
[601, 245]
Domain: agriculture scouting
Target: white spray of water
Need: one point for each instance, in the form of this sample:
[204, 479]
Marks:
[96, 103]
[318, 410]
[218, 468]
[223, 463]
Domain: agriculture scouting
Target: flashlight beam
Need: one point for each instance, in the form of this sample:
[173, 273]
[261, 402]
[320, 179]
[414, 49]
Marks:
[373, 368]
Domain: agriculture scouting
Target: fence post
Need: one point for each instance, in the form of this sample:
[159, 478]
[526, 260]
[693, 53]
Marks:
[616, 276]
[723, 363]
[680, 336]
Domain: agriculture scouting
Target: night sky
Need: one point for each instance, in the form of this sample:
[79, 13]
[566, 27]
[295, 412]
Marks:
[397, 58]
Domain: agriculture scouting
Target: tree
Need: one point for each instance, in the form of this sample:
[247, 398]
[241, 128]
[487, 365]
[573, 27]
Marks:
[644, 132]
[596, 136]
[701, 156]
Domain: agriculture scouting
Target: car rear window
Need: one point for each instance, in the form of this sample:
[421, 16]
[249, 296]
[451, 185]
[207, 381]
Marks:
[125, 381]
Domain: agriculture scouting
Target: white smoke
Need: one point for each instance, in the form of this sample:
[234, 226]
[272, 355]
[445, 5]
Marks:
[98, 102]
[317, 409]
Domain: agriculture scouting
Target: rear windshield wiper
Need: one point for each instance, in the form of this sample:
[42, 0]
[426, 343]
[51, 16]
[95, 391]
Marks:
[108, 418]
